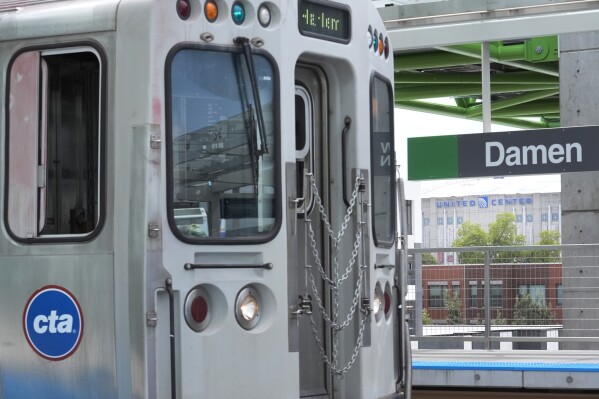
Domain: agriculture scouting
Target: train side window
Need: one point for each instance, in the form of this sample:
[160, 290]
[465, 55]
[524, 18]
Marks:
[53, 162]
[382, 162]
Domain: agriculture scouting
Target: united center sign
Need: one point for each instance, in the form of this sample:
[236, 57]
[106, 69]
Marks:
[525, 152]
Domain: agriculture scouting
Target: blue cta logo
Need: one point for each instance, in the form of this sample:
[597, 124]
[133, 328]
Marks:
[53, 322]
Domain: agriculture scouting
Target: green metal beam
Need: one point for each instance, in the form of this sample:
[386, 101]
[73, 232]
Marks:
[457, 112]
[548, 108]
[432, 59]
[524, 78]
[477, 110]
[464, 90]
[534, 67]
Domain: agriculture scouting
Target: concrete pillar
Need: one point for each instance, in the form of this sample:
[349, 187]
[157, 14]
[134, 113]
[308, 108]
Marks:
[579, 105]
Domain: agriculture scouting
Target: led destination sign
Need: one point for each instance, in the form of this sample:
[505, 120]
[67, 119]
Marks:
[525, 152]
[324, 20]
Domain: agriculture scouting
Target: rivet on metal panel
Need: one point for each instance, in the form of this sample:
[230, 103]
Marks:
[151, 319]
[153, 230]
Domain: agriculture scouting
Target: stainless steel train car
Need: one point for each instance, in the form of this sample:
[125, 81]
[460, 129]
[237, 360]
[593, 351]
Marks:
[198, 201]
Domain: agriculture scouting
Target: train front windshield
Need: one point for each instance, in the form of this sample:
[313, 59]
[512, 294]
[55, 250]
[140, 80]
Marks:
[222, 165]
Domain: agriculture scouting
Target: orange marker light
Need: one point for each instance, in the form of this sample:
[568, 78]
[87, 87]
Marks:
[381, 44]
[211, 11]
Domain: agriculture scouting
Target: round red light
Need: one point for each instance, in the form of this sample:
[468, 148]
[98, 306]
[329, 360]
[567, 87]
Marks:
[387, 302]
[199, 309]
[183, 9]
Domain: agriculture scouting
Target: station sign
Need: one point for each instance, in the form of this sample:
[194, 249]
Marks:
[524, 152]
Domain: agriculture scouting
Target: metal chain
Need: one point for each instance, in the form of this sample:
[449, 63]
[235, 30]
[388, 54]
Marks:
[352, 309]
[336, 282]
[332, 363]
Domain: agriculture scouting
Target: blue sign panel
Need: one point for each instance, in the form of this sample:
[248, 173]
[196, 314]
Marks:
[53, 322]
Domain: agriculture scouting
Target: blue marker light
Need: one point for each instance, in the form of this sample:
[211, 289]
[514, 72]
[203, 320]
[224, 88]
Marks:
[238, 13]
[375, 41]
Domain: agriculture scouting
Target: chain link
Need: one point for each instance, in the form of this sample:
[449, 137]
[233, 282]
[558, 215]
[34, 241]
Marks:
[336, 282]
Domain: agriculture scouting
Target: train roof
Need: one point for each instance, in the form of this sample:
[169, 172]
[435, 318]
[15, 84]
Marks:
[26, 19]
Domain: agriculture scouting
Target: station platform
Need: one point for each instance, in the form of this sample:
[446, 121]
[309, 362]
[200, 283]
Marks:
[557, 370]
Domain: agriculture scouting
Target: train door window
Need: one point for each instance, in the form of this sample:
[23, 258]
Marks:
[221, 122]
[54, 145]
[303, 146]
[383, 162]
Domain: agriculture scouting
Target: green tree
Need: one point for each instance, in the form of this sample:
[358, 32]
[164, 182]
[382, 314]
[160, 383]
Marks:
[471, 235]
[532, 311]
[426, 318]
[499, 320]
[453, 308]
[502, 232]
[547, 237]
[428, 259]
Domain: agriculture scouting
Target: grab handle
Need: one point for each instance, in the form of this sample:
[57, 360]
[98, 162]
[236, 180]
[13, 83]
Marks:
[344, 134]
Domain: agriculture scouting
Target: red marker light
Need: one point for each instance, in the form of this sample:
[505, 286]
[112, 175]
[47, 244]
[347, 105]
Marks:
[183, 9]
[199, 309]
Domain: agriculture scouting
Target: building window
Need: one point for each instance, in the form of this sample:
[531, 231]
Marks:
[536, 292]
[529, 218]
[555, 217]
[436, 297]
[460, 220]
[473, 295]
[54, 145]
[455, 289]
[544, 217]
[559, 295]
[519, 218]
[496, 294]
[450, 220]
[426, 221]
[440, 221]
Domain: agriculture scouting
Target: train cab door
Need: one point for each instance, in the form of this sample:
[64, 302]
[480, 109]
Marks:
[309, 334]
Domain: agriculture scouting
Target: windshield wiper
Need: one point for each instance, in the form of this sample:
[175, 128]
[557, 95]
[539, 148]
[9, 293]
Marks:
[244, 42]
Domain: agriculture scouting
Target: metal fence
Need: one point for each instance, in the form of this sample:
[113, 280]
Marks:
[525, 297]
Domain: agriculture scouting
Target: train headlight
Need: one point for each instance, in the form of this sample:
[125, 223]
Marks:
[264, 16]
[248, 307]
[197, 309]
[238, 13]
[211, 10]
[388, 300]
[378, 303]
[369, 36]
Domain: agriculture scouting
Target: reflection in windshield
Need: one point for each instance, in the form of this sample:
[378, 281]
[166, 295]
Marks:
[222, 185]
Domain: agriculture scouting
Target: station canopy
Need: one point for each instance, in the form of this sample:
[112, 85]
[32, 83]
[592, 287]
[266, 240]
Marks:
[437, 55]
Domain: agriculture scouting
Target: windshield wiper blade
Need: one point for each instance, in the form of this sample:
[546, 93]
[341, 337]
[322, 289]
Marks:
[244, 42]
